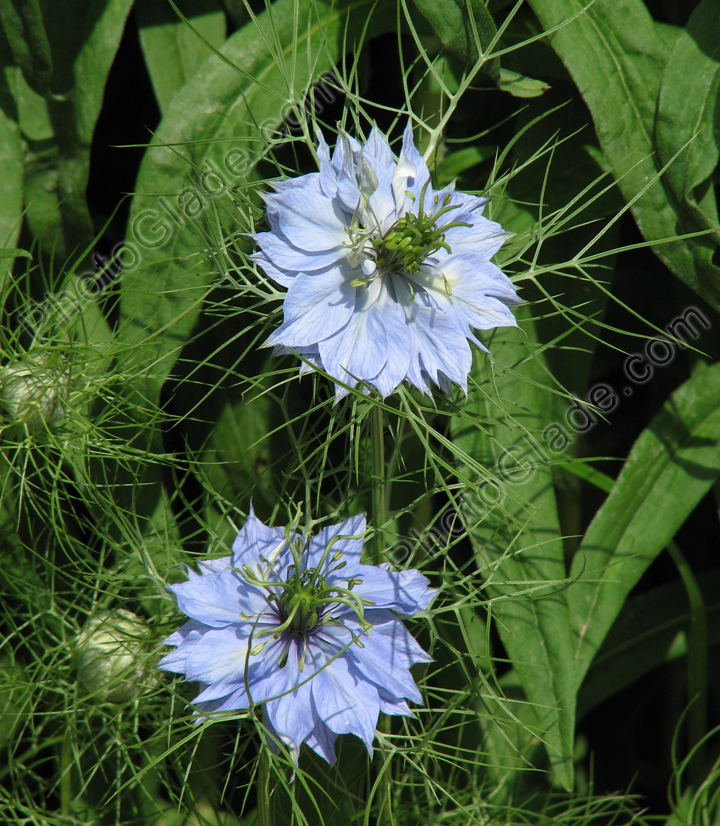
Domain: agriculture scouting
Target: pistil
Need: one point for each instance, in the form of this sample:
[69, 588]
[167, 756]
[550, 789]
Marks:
[408, 244]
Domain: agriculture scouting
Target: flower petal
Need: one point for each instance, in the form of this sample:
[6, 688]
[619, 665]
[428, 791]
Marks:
[351, 549]
[293, 715]
[345, 702]
[406, 592]
[310, 220]
[213, 599]
[185, 638]
[386, 656]
[284, 255]
[220, 654]
[410, 158]
[316, 307]
[282, 277]
[358, 351]
[322, 741]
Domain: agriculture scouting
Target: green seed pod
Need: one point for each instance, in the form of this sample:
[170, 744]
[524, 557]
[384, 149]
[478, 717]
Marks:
[108, 656]
[32, 391]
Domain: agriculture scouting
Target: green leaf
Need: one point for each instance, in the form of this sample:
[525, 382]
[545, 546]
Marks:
[237, 460]
[616, 57]
[25, 32]
[688, 121]
[458, 162]
[456, 29]
[11, 187]
[210, 139]
[670, 468]
[517, 542]
[651, 629]
[84, 37]
[13, 252]
[173, 51]
[520, 86]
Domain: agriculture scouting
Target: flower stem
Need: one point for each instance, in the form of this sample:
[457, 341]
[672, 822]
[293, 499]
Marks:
[379, 508]
[379, 520]
[65, 773]
[264, 808]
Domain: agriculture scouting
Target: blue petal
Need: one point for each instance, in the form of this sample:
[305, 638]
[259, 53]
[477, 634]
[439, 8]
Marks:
[422, 173]
[377, 148]
[480, 292]
[389, 705]
[235, 701]
[358, 351]
[322, 741]
[221, 690]
[255, 540]
[214, 566]
[185, 638]
[351, 548]
[376, 153]
[386, 656]
[399, 338]
[346, 148]
[287, 257]
[316, 307]
[309, 220]
[219, 655]
[309, 181]
[213, 599]
[440, 341]
[328, 175]
[292, 715]
[266, 679]
[277, 275]
[346, 703]
[406, 592]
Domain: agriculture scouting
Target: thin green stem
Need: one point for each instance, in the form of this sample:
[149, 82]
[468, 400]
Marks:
[264, 790]
[696, 664]
[379, 505]
[65, 773]
[379, 520]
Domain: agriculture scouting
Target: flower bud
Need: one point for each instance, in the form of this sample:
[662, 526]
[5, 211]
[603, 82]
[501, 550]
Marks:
[32, 391]
[108, 656]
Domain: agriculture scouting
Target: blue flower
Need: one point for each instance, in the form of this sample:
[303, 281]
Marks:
[303, 627]
[387, 278]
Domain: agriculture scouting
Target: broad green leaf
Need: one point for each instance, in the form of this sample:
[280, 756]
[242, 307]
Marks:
[520, 86]
[517, 542]
[688, 121]
[651, 629]
[670, 468]
[452, 22]
[173, 51]
[13, 252]
[616, 56]
[212, 135]
[561, 177]
[236, 11]
[11, 187]
[25, 32]
[458, 162]
[236, 462]
[84, 37]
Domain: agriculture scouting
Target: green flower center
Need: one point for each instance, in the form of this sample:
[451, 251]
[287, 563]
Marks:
[303, 602]
[410, 241]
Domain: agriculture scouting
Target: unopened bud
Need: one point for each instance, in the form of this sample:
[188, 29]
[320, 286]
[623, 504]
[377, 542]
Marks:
[108, 656]
[32, 391]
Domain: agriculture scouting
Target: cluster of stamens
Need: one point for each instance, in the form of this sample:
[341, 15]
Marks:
[303, 601]
[409, 242]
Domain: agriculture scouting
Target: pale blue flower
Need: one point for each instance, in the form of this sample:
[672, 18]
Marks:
[387, 278]
[306, 629]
